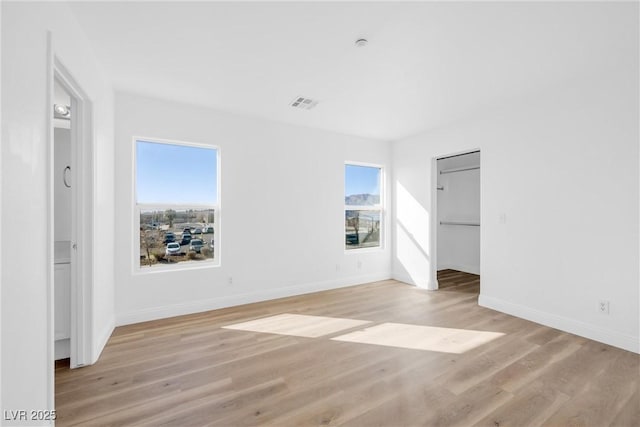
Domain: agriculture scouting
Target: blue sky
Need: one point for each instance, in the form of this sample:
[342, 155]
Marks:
[175, 174]
[361, 180]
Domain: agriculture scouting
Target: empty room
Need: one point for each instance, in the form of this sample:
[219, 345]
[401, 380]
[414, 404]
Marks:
[297, 213]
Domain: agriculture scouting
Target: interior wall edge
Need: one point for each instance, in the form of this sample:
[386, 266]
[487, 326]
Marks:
[100, 341]
[422, 284]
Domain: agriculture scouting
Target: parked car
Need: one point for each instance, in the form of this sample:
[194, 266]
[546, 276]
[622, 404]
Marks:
[208, 230]
[186, 239]
[197, 231]
[173, 248]
[169, 237]
[186, 230]
[353, 239]
[196, 245]
[211, 245]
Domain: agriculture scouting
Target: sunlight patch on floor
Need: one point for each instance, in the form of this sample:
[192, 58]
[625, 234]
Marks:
[431, 338]
[298, 325]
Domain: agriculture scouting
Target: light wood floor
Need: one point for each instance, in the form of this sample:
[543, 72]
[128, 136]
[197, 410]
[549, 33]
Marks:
[190, 371]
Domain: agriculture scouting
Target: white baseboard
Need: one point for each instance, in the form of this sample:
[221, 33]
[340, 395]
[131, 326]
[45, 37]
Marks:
[191, 307]
[62, 349]
[102, 340]
[613, 338]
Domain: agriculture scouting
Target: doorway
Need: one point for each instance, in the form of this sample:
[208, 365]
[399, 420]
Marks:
[62, 220]
[458, 222]
[70, 216]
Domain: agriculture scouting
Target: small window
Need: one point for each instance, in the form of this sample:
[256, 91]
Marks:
[176, 195]
[362, 206]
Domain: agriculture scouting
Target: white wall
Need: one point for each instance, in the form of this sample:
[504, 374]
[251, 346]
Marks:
[459, 200]
[291, 176]
[1, 208]
[25, 133]
[562, 165]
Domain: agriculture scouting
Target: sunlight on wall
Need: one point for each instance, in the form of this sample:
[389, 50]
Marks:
[412, 236]
[430, 338]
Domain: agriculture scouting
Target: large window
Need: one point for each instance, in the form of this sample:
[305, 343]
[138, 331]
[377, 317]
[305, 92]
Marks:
[362, 206]
[177, 204]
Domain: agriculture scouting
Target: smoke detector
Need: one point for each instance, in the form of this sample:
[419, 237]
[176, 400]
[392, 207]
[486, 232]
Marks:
[303, 103]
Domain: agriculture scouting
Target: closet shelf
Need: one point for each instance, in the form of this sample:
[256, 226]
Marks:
[470, 223]
[466, 168]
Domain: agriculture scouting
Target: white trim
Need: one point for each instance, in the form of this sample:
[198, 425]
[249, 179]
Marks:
[1, 404]
[50, 355]
[173, 142]
[377, 207]
[198, 306]
[101, 342]
[165, 206]
[434, 225]
[363, 250]
[607, 336]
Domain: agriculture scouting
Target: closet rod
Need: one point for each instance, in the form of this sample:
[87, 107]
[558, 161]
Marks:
[475, 224]
[467, 168]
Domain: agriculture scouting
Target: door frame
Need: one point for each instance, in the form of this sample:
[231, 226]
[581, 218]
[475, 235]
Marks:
[433, 223]
[82, 240]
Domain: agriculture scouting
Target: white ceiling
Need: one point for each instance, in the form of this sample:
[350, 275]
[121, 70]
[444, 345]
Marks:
[426, 63]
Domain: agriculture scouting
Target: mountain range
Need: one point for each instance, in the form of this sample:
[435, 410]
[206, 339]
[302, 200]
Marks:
[362, 199]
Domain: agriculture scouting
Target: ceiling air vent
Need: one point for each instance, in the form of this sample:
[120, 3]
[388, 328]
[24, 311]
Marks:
[303, 103]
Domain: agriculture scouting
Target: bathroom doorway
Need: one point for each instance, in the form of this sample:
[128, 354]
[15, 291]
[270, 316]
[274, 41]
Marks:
[62, 220]
[70, 216]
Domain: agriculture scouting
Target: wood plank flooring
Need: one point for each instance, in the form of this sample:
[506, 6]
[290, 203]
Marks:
[458, 281]
[190, 371]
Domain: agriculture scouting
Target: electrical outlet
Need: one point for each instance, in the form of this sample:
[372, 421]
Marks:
[603, 307]
[230, 280]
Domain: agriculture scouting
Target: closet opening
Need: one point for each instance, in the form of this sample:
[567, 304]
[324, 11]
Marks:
[458, 222]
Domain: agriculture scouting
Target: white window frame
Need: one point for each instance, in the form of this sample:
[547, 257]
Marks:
[379, 207]
[138, 207]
